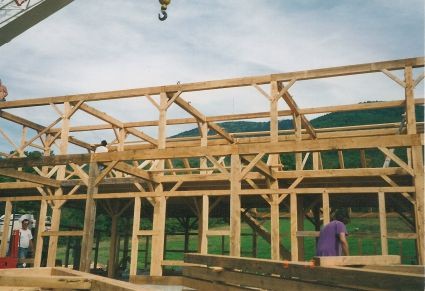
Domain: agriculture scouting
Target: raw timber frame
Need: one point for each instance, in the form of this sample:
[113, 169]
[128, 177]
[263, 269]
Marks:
[238, 166]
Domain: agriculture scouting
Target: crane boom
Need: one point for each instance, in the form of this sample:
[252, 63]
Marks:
[18, 16]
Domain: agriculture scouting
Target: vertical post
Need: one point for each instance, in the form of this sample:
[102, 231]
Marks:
[298, 137]
[41, 228]
[235, 206]
[60, 175]
[294, 226]
[113, 246]
[418, 166]
[89, 220]
[134, 237]
[341, 159]
[300, 226]
[203, 226]
[325, 209]
[274, 229]
[383, 223]
[6, 226]
[159, 215]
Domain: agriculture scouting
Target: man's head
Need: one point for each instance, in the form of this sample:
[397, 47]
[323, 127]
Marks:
[25, 223]
[341, 214]
[103, 143]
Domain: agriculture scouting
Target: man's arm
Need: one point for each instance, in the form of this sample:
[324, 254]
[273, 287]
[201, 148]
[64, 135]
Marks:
[344, 244]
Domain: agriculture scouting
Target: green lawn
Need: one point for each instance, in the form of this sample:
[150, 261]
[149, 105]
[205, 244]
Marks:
[219, 245]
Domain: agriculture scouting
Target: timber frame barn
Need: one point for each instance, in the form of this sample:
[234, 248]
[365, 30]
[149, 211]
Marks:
[234, 171]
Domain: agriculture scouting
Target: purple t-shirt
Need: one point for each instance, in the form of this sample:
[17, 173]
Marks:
[329, 244]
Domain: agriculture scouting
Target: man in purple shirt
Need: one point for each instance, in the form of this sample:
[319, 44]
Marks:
[332, 240]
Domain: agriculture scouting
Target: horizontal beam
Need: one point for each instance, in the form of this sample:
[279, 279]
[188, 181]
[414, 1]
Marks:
[194, 193]
[29, 177]
[356, 260]
[218, 84]
[242, 149]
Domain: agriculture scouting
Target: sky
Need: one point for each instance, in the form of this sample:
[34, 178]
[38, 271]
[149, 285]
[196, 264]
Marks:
[98, 45]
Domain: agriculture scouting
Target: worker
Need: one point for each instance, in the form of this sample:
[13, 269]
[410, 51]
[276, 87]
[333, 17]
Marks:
[3, 92]
[101, 149]
[332, 240]
[25, 241]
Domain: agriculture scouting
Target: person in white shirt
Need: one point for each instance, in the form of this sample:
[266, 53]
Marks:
[101, 149]
[25, 241]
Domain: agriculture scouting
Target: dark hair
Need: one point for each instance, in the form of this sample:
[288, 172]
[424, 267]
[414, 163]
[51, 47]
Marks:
[341, 214]
[103, 143]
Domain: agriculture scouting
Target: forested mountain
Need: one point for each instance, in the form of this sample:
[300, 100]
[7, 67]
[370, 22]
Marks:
[337, 119]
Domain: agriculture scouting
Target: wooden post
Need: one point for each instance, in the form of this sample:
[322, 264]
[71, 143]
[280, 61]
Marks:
[300, 226]
[134, 237]
[298, 137]
[60, 175]
[159, 216]
[39, 240]
[418, 166]
[294, 226]
[383, 223]
[235, 206]
[274, 230]
[203, 226]
[113, 246]
[89, 220]
[326, 210]
[6, 227]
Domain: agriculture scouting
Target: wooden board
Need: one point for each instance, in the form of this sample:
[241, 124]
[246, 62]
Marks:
[356, 260]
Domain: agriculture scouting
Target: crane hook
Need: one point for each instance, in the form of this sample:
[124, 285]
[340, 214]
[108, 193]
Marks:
[164, 15]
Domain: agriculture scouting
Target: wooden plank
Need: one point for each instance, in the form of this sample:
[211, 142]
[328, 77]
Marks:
[333, 276]
[65, 282]
[356, 260]
[6, 226]
[157, 280]
[205, 285]
[38, 251]
[245, 280]
[383, 223]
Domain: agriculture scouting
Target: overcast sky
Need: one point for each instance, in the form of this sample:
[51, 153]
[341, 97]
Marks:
[100, 45]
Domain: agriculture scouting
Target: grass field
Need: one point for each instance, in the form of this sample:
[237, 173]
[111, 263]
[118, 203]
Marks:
[219, 245]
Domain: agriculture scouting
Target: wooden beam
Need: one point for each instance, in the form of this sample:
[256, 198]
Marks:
[5, 233]
[235, 206]
[383, 223]
[219, 84]
[134, 237]
[260, 166]
[357, 260]
[30, 177]
[89, 220]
